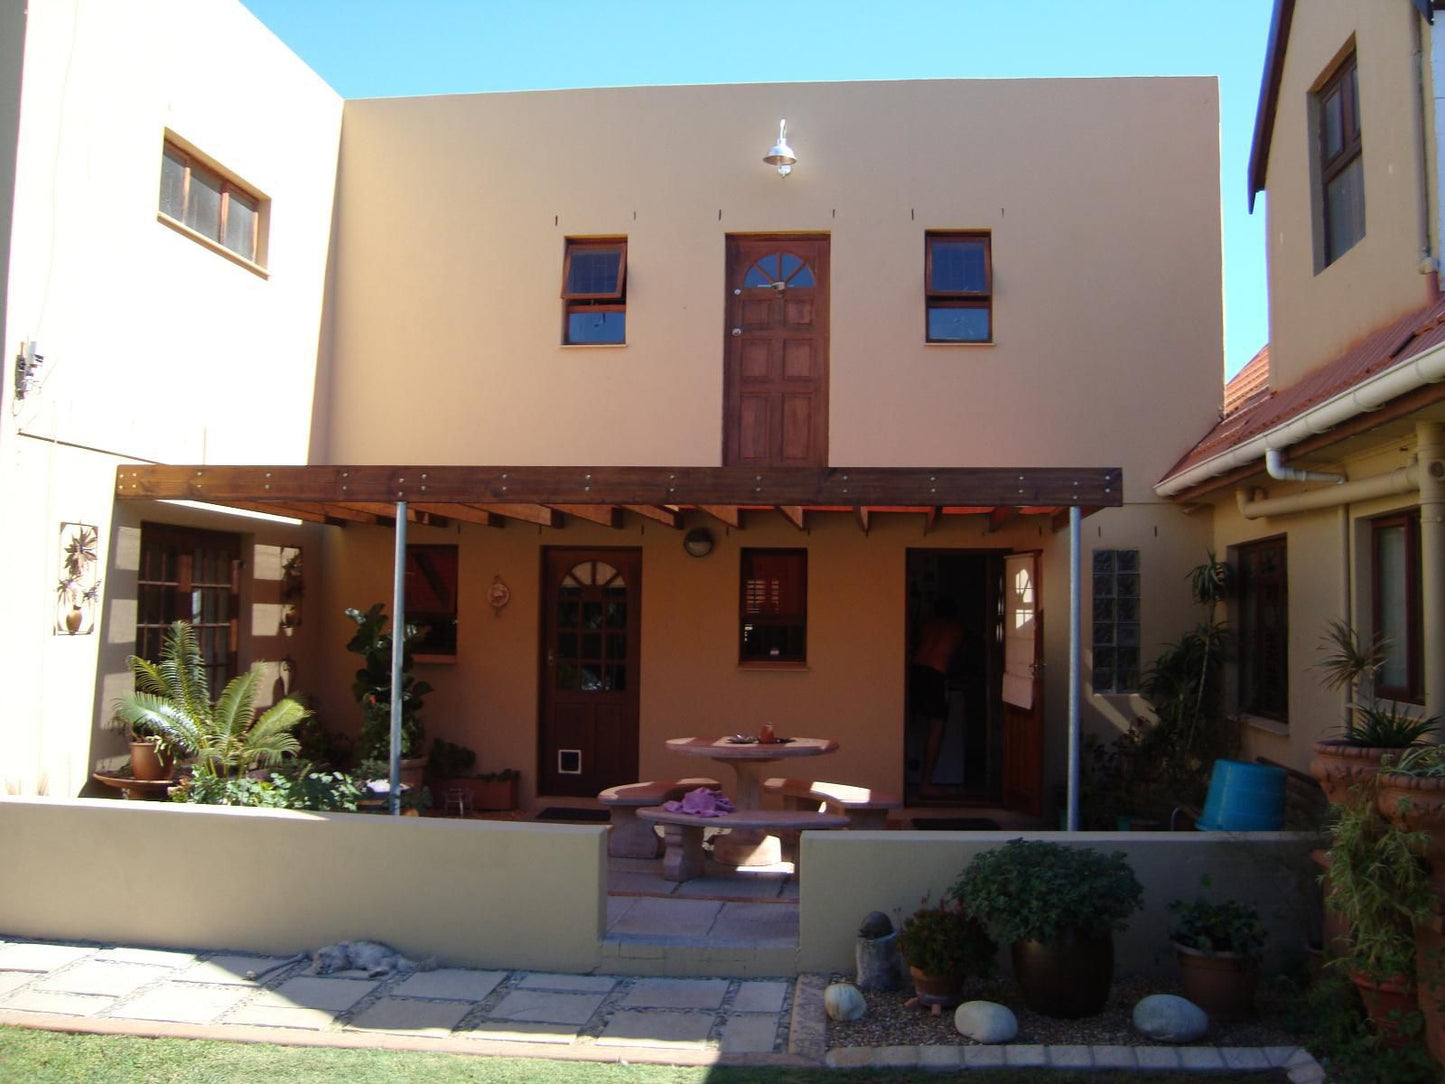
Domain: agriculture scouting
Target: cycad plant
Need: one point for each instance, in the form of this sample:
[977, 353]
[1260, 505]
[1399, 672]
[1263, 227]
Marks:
[172, 701]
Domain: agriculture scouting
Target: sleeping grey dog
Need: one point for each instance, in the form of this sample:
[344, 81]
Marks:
[376, 959]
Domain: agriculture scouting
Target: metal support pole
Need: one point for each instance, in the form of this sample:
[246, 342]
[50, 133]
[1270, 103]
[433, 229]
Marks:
[398, 646]
[1075, 523]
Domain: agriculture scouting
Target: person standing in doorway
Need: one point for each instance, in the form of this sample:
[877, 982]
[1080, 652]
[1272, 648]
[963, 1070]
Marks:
[938, 640]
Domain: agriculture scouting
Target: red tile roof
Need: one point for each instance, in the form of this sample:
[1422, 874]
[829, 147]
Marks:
[1248, 382]
[1265, 408]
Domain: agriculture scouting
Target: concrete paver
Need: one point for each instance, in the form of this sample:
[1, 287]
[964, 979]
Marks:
[411, 1016]
[676, 994]
[48, 1002]
[754, 922]
[577, 984]
[749, 1033]
[690, 919]
[280, 1016]
[24, 956]
[657, 1028]
[94, 977]
[157, 957]
[334, 995]
[452, 983]
[227, 969]
[13, 980]
[760, 996]
[520, 1031]
[544, 1007]
[183, 1003]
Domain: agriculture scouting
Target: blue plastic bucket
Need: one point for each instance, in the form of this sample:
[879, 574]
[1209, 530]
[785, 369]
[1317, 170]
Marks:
[1244, 798]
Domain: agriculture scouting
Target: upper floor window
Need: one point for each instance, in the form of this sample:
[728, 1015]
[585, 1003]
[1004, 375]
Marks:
[594, 290]
[774, 618]
[1341, 168]
[210, 204]
[958, 281]
[1395, 579]
[1263, 600]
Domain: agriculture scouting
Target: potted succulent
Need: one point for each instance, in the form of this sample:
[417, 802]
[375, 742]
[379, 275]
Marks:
[1057, 907]
[943, 946]
[1218, 943]
[372, 689]
[1374, 728]
[1379, 884]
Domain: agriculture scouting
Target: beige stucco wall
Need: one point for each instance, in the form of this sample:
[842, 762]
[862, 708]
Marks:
[1101, 196]
[155, 347]
[848, 874]
[852, 689]
[471, 893]
[1313, 317]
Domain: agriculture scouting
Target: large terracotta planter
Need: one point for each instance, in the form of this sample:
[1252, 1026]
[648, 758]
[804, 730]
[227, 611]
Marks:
[1223, 985]
[147, 765]
[1339, 767]
[1418, 805]
[1388, 1002]
[1430, 983]
[1069, 978]
[938, 991]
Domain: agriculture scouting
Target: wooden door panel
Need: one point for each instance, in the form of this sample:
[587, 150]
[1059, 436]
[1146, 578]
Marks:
[775, 381]
[1023, 687]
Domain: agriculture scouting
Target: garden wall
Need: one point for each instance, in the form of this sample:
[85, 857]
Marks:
[848, 874]
[473, 893]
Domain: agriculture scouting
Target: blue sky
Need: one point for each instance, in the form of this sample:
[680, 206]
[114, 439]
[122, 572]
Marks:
[383, 48]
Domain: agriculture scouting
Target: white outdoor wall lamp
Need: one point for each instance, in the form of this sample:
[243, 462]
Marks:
[782, 155]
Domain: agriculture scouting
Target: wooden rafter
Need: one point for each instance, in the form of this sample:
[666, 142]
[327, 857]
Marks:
[605, 514]
[999, 517]
[930, 519]
[465, 513]
[795, 515]
[1059, 521]
[861, 513]
[527, 513]
[667, 516]
[732, 516]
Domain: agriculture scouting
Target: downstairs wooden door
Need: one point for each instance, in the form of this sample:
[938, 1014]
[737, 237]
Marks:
[1023, 684]
[591, 619]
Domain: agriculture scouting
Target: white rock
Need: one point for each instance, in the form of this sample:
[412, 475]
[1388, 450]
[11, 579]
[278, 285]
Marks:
[843, 1001]
[986, 1022]
[1170, 1019]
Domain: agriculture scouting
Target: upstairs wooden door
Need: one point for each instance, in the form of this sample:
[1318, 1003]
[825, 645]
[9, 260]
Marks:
[775, 383]
[591, 619]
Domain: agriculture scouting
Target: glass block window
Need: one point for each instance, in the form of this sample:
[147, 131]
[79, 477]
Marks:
[1116, 621]
[1263, 629]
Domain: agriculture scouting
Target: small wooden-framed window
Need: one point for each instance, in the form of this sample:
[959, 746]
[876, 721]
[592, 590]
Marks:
[1341, 165]
[594, 292]
[206, 202]
[773, 609]
[431, 600]
[1395, 582]
[958, 282]
[1263, 609]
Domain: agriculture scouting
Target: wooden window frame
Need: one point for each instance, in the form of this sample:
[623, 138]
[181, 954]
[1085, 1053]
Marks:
[576, 302]
[1250, 702]
[230, 188]
[1413, 690]
[149, 635]
[935, 298]
[793, 619]
[432, 645]
[1351, 145]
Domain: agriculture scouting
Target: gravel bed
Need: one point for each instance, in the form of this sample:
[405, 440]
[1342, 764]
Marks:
[891, 1022]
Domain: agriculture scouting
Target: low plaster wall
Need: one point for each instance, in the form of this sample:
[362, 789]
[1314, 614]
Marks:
[848, 874]
[472, 893]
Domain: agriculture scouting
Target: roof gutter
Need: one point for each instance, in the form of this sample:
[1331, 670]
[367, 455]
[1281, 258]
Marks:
[1425, 368]
[1404, 480]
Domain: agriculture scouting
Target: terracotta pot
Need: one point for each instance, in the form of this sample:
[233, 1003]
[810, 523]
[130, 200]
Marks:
[1069, 978]
[1334, 930]
[73, 620]
[147, 765]
[412, 771]
[1223, 985]
[1388, 1002]
[1418, 805]
[1339, 767]
[1430, 983]
[942, 990]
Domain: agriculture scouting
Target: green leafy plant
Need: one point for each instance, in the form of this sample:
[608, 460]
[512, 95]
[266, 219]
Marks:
[1211, 926]
[1036, 890]
[450, 760]
[1353, 665]
[172, 706]
[1212, 582]
[325, 792]
[372, 685]
[1420, 761]
[504, 775]
[948, 942]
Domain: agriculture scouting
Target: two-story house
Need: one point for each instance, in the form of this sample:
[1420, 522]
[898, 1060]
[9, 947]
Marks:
[683, 442]
[1326, 471]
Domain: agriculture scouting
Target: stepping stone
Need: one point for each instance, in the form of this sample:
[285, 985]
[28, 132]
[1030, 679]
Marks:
[659, 1029]
[413, 1017]
[578, 984]
[541, 1007]
[519, 1031]
[451, 983]
[46, 1001]
[94, 977]
[154, 957]
[280, 1016]
[23, 956]
[677, 994]
[760, 997]
[183, 1003]
[749, 1033]
[228, 970]
[333, 995]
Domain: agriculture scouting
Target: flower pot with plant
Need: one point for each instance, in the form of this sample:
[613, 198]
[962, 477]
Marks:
[944, 946]
[1057, 907]
[1379, 884]
[372, 689]
[449, 769]
[1218, 943]
[1374, 727]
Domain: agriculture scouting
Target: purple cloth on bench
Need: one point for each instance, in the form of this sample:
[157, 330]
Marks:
[702, 803]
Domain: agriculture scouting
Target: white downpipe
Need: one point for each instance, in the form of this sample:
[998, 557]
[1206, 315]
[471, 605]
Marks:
[398, 646]
[1404, 480]
[1274, 465]
[1076, 518]
[1425, 368]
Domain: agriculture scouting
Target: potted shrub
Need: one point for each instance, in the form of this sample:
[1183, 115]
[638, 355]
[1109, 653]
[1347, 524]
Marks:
[372, 689]
[1057, 907]
[943, 946]
[1218, 945]
[1374, 728]
[1379, 884]
[449, 767]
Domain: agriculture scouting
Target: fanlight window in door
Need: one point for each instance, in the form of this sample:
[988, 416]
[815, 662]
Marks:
[779, 267]
[591, 648]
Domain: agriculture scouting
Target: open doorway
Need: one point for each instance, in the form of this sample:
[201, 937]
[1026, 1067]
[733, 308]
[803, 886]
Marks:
[953, 739]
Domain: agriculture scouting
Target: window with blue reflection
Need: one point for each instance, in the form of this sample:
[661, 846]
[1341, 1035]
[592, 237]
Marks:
[959, 325]
[588, 326]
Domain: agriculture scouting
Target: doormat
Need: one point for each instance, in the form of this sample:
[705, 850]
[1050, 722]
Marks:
[955, 824]
[564, 813]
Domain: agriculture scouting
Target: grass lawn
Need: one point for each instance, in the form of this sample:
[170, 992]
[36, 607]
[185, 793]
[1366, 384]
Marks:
[46, 1057]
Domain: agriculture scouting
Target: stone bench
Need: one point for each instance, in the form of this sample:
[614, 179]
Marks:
[683, 832]
[630, 837]
[864, 807]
